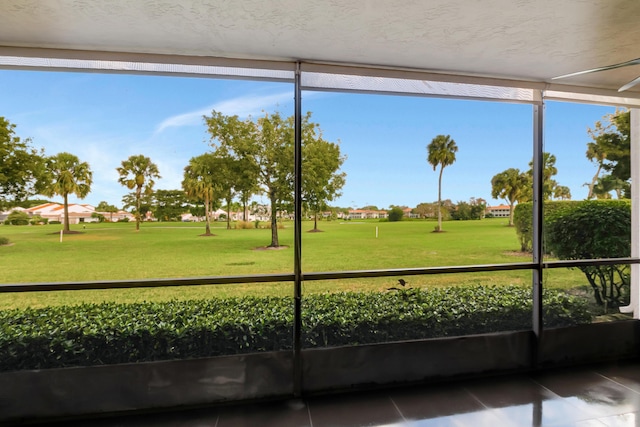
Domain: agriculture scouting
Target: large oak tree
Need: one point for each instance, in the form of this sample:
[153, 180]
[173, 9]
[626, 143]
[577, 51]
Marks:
[20, 165]
[266, 148]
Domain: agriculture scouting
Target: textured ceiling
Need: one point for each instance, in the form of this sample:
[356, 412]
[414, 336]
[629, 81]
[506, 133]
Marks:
[508, 39]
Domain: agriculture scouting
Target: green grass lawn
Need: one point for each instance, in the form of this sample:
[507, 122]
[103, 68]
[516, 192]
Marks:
[168, 250]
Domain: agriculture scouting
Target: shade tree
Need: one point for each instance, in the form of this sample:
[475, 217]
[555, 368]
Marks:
[20, 165]
[610, 149]
[322, 179]
[168, 205]
[265, 147]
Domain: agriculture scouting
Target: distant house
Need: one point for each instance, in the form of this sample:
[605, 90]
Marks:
[5, 214]
[408, 213]
[500, 211]
[118, 216]
[366, 214]
[55, 212]
[330, 214]
[78, 213]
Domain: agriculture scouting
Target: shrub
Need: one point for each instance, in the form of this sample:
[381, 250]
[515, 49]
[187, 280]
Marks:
[395, 214]
[100, 217]
[93, 334]
[125, 219]
[592, 230]
[4, 241]
[55, 222]
[523, 218]
[243, 225]
[17, 218]
[37, 219]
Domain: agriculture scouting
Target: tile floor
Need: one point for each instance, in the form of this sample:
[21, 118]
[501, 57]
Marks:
[593, 396]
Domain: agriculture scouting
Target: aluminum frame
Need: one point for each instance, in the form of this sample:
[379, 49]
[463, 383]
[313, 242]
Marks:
[91, 61]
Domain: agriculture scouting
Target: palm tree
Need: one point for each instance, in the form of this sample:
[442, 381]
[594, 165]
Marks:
[138, 172]
[511, 185]
[441, 151]
[66, 174]
[103, 206]
[199, 183]
[562, 192]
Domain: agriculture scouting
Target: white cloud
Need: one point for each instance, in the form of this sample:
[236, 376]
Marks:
[243, 106]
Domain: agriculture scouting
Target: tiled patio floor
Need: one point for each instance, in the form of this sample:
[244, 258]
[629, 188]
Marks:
[593, 396]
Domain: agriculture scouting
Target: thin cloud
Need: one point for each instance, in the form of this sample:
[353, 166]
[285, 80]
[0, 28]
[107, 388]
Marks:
[243, 106]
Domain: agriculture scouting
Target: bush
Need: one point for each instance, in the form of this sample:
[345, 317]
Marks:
[523, 218]
[94, 334]
[37, 219]
[98, 216]
[55, 222]
[17, 218]
[593, 230]
[395, 214]
[4, 241]
[125, 219]
[243, 225]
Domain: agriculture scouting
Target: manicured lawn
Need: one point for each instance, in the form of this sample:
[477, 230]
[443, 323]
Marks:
[166, 250]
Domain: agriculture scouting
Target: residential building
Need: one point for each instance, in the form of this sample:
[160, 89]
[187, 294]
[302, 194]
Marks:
[500, 211]
[366, 214]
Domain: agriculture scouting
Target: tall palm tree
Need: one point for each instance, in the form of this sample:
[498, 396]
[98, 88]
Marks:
[199, 183]
[441, 151]
[138, 173]
[66, 174]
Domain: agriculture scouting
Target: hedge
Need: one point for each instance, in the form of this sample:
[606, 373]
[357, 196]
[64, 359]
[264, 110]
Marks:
[523, 215]
[595, 231]
[107, 333]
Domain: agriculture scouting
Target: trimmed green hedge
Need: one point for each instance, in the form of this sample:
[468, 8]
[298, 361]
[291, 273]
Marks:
[523, 215]
[95, 334]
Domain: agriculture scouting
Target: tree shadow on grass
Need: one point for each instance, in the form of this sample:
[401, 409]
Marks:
[271, 248]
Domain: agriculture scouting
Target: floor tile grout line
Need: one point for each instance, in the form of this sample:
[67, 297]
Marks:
[596, 417]
[492, 410]
[616, 382]
[397, 409]
[308, 405]
[557, 396]
[554, 394]
[476, 398]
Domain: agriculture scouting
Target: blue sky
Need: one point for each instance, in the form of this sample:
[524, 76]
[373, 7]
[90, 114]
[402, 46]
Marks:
[105, 118]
